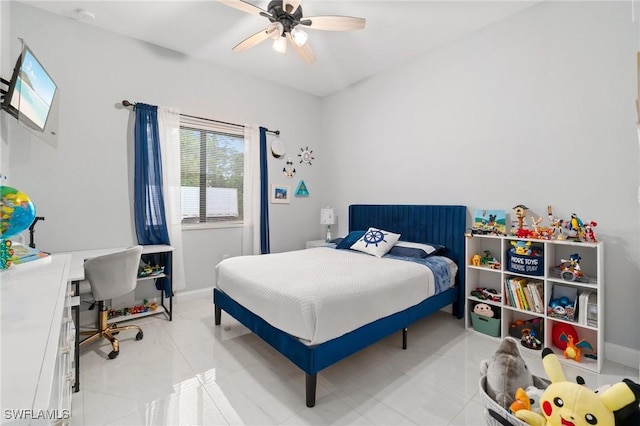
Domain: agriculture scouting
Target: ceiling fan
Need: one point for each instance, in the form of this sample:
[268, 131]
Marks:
[285, 17]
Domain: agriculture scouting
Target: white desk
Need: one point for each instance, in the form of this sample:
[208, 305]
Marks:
[78, 257]
[76, 274]
[36, 341]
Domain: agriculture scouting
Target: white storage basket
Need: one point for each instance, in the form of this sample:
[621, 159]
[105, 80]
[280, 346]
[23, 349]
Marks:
[503, 417]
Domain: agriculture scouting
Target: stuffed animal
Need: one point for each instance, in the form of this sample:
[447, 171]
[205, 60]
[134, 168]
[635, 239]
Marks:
[528, 399]
[522, 401]
[506, 371]
[566, 403]
[574, 350]
[483, 309]
[630, 414]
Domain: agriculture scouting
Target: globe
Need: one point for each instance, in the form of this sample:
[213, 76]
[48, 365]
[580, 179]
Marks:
[17, 212]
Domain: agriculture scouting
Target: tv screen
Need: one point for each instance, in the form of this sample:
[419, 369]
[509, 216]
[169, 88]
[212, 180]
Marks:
[31, 91]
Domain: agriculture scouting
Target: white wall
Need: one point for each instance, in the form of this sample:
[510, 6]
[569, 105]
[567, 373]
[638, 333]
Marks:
[5, 72]
[537, 109]
[82, 187]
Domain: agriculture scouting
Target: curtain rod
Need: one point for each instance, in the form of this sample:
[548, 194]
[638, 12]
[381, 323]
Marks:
[126, 103]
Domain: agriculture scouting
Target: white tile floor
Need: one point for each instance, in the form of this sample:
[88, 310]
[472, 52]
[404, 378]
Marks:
[191, 372]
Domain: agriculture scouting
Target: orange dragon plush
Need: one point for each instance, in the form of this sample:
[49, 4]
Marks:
[574, 350]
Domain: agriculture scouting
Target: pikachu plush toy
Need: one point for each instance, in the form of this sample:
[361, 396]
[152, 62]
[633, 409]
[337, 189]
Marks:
[565, 403]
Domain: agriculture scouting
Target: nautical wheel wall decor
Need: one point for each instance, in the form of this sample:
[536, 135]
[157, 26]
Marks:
[305, 155]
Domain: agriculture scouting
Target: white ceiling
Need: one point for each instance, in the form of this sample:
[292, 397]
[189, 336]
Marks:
[396, 32]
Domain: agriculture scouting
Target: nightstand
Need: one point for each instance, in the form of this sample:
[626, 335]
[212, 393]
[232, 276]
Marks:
[319, 243]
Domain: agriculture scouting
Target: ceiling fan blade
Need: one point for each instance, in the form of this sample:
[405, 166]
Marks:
[249, 42]
[292, 3]
[244, 6]
[304, 52]
[334, 23]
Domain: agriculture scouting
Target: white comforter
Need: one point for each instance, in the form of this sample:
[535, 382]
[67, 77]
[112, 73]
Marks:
[322, 293]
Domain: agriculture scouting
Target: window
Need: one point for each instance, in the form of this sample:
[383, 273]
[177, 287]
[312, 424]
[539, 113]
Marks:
[212, 172]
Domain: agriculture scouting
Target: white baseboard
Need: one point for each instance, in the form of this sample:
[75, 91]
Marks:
[622, 355]
[184, 296]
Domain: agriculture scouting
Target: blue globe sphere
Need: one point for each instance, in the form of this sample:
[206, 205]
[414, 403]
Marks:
[17, 212]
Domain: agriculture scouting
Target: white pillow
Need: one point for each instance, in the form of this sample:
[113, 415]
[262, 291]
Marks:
[376, 242]
[428, 248]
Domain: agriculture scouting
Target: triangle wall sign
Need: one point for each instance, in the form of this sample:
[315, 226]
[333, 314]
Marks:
[301, 190]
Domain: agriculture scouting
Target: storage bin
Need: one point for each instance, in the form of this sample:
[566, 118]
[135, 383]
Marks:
[486, 325]
[528, 265]
[531, 325]
[564, 312]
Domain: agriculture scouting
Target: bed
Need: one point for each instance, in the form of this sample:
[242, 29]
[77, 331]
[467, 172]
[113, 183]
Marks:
[313, 349]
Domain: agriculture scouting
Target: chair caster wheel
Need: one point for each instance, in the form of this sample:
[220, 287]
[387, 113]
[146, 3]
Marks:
[113, 354]
[139, 336]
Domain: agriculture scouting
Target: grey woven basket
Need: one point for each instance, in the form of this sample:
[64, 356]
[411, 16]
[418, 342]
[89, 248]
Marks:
[494, 414]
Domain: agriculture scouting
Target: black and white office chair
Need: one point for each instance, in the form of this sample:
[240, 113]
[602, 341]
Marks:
[110, 276]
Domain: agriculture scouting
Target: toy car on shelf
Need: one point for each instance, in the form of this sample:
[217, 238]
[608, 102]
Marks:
[487, 294]
[148, 271]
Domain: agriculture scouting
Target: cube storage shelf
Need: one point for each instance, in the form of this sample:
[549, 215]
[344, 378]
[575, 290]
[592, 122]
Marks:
[493, 273]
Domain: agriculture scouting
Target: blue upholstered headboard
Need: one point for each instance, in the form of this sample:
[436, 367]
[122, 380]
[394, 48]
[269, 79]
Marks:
[443, 225]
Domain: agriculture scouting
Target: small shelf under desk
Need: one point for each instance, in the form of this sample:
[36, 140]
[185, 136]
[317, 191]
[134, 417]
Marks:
[165, 258]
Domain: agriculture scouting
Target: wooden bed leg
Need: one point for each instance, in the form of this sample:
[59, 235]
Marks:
[311, 389]
[404, 338]
[218, 315]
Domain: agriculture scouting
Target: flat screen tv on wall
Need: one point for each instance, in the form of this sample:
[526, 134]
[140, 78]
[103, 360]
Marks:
[31, 92]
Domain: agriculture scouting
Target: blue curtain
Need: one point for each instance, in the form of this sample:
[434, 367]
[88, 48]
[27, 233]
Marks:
[264, 195]
[150, 219]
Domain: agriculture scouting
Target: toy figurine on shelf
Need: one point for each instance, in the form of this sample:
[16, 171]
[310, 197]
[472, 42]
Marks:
[540, 232]
[576, 227]
[489, 261]
[520, 211]
[523, 233]
[588, 231]
[570, 269]
[556, 225]
[574, 350]
[530, 340]
[522, 248]
[535, 223]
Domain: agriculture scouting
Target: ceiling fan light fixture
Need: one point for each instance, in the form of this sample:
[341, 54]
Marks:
[275, 30]
[299, 36]
[280, 45]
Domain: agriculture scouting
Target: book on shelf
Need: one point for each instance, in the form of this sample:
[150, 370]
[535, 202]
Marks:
[513, 300]
[540, 293]
[588, 308]
[23, 255]
[508, 293]
[592, 310]
[529, 297]
[515, 291]
[523, 300]
[535, 296]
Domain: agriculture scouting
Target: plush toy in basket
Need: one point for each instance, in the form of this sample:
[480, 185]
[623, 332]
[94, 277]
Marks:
[501, 377]
[566, 403]
[561, 403]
